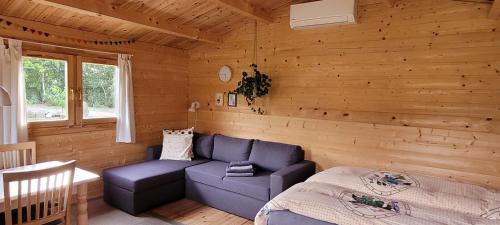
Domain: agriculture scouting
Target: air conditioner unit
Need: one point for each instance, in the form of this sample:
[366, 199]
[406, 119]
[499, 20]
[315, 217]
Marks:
[323, 13]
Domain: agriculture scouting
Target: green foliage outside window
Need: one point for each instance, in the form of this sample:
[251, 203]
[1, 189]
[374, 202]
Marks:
[45, 81]
[98, 85]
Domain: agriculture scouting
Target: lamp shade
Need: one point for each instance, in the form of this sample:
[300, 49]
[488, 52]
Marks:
[4, 97]
[194, 106]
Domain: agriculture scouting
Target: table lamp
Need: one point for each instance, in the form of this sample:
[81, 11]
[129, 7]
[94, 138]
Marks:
[194, 106]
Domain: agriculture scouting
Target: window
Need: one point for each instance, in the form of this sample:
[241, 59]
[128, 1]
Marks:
[46, 89]
[99, 82]
[69, 89]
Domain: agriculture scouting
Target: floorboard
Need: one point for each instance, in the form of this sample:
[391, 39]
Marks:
[193, 213]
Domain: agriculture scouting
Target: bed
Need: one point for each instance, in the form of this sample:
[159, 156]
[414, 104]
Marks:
[358, 196]
[285, 217]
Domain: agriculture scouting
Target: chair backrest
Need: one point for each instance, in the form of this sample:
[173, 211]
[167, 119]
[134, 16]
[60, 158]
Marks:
[45, 194]
[15, 155]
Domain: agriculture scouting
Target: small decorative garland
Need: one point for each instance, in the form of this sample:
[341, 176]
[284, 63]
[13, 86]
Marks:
[77, 40]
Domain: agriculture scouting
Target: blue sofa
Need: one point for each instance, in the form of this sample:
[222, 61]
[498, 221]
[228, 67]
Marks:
[139, 187]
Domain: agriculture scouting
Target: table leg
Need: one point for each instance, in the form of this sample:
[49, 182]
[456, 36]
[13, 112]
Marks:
[82, 217]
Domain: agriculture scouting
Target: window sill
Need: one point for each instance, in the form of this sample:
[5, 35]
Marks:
[98, 121]
[37, 129]
[43, 124]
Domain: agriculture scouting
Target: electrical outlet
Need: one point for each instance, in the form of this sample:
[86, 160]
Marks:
[219, 99]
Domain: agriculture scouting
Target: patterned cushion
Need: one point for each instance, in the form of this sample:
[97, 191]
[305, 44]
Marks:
[177, 144]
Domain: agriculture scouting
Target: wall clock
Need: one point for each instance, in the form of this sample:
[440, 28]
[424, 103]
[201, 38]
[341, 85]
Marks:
[225, 74]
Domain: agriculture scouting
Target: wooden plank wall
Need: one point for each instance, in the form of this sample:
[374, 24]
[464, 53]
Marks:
[412, 88]
[160, 95]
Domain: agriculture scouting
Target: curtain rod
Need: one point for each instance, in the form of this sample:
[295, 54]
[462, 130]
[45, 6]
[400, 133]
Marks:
[74, 48]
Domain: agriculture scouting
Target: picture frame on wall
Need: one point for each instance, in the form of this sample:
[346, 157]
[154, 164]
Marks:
[232, 99]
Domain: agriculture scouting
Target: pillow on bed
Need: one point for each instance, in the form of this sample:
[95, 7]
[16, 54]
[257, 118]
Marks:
[177, 144]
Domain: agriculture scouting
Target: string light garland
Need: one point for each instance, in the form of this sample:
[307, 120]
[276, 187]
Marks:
[49, 35]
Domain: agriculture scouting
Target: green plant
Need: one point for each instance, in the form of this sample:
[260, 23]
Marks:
[253, 87]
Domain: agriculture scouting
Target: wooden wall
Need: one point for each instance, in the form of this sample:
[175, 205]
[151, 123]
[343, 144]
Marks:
[412, 88]
[160, 97]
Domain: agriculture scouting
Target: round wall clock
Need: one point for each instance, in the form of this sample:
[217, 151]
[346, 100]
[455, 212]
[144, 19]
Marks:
[225, 74]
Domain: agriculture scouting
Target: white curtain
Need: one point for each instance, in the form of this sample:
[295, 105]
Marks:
[12, 118]
[125, 124]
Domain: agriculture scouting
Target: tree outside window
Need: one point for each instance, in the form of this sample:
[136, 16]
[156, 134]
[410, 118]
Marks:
[56, 91]
[46, 88]
[99, 90]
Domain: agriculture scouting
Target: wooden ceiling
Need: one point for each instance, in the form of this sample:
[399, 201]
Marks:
[180, 24]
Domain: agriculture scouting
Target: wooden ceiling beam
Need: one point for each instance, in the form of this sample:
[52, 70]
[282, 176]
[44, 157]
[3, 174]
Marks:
[244, 8]
[16, 33]
[102, 8]
[495, 10]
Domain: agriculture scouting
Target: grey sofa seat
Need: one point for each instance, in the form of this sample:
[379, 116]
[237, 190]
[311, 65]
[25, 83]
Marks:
[210, 173]
[146, 175]
[213, 173]
[257, 186]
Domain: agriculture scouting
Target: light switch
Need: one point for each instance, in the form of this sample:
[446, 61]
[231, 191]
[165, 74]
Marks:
[219, 99]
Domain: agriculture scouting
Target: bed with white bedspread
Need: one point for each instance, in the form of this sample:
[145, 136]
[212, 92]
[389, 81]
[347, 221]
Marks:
[358, 196]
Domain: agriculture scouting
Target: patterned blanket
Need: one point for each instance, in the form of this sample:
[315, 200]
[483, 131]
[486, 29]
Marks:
[358, 196]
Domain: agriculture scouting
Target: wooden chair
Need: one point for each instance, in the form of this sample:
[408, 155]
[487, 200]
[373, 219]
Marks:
[46, 195]
[15, 155]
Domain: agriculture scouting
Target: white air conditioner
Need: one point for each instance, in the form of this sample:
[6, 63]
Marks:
[323, 13]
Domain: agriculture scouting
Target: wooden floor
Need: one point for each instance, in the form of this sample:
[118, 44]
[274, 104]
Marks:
[192, 213]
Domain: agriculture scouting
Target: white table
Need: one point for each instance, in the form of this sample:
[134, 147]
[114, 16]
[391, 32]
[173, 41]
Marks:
[80, 182]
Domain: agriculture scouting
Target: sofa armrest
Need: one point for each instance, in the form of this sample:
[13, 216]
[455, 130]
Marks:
[288, 176]
[153, 152]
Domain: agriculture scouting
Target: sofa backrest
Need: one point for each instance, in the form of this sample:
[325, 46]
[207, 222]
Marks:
[203, 145]
[229, 149]
[275, 156]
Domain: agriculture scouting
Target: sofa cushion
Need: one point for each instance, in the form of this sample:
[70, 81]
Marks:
[257, 186]
[275, 156]
[177, 144]
[203, 145]
[228, 149]
[210, 173]
[146, 175]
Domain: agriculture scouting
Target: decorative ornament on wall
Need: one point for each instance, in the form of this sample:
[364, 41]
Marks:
[225, 74]
[232, 99]
[219, 99]
[255, 85]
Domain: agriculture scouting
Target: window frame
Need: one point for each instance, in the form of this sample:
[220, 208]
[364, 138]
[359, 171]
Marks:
[70, 73]
[74, 60]
[79, 109]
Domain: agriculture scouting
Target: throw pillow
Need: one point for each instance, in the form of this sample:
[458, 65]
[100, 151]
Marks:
[177, 144]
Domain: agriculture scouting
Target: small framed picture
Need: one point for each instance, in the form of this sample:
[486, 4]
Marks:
[232, 99]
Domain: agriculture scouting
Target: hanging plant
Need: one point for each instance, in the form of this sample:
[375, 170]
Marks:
[253, 87]
[256, 85]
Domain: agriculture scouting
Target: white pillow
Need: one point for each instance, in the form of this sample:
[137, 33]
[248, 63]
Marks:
[177, 144]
